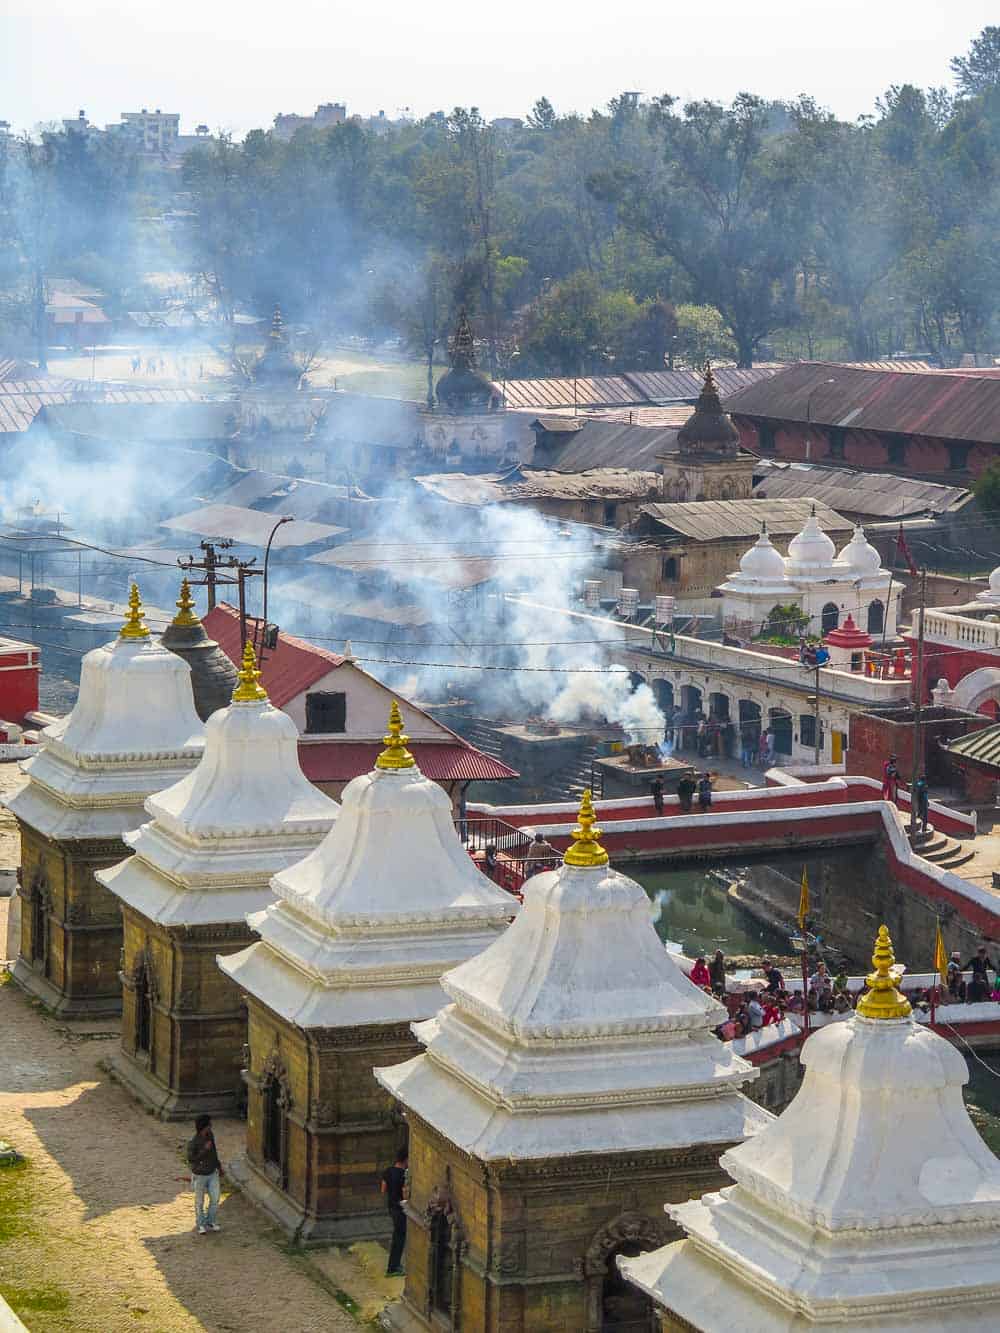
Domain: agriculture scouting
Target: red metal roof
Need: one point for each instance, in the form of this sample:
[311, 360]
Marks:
[949, 406]
[441, 761]
[289, 669]
[294, 665]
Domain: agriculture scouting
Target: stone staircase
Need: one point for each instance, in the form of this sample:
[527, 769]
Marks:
[938, 848]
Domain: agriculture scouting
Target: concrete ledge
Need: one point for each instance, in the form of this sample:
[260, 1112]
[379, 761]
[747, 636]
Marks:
[60, 1005]
[9, 1322]
[161, 1100]
[299, 1225]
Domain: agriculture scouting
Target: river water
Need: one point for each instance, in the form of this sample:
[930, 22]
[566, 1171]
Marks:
[695, 913]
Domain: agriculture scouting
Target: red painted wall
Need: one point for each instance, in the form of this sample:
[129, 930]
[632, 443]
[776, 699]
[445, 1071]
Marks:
[18, 688]
[864, 449]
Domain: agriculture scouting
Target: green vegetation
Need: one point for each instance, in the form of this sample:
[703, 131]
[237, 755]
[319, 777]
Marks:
[34, 1300]
[644, 234]
[15, 1200]
[785, 625]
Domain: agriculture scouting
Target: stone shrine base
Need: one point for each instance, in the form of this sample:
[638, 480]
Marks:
[294, 1220]
[158, 1098]
[57, 1002]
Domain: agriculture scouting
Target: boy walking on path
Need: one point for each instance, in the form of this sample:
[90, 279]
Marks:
[206, 1172]
[394, 1189]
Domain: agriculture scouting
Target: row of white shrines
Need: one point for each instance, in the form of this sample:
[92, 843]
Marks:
[553, 1068]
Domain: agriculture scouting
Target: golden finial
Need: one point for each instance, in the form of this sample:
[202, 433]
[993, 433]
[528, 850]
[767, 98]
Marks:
[395, 755]
[882, 999]
[186, 614]
[586, 849]
[135, 627]
[248, 690]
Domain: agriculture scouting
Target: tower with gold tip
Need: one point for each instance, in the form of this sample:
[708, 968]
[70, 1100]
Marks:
[570, 1083]
[871, 1204]
[350, 954]
[132, 732]
[202, 863]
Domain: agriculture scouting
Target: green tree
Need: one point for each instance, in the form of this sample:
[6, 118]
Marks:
[979, 71]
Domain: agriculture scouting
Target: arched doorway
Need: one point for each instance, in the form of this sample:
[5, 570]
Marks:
[976, 689]
[721, 739]
[780, 722]
[690, 714]
[614, 1305]
[749, 730]
[876, 617]
[830, 617]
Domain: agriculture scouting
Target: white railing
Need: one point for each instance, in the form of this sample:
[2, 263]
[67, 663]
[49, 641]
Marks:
[964, 630]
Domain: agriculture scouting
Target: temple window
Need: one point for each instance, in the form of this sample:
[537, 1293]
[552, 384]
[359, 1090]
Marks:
[326, 712]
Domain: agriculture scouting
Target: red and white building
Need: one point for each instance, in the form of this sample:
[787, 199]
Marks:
[962, 652]
[341, 713]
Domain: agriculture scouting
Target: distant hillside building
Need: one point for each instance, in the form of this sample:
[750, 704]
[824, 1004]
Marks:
[326, 115]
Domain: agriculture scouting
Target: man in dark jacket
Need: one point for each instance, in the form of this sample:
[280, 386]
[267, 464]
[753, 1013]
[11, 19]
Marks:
[685, 791]
[206, 1173]
[394, 1189]
[980, 965]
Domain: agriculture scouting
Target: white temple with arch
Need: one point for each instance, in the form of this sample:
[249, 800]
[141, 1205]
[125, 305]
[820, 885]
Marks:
[822, 584]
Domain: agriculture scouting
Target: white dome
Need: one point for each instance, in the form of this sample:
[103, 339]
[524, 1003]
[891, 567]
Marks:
[860, 554]
[763, 562]
[812, 549]
[992, 593]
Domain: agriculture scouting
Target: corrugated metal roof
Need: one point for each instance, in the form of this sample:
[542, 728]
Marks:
[76, 407]
[982, 747]
[252, 527]
[450, 567]
[710, 520]
[629, 388]
[610, 444]
[880, 494]
[948, 406]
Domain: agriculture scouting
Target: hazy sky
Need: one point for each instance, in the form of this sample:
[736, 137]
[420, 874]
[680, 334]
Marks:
[235, 63]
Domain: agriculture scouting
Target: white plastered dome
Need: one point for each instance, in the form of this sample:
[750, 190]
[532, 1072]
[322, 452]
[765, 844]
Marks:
[811, 550]
[859, 553]
[763, 562]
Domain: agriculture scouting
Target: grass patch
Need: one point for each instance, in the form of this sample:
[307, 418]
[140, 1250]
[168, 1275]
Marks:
[15, 1201]
[32, 1300]
[299, 1256]
[393, 382]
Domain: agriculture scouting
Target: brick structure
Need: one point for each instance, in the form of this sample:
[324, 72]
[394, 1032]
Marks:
[875, 735]
[20, 668]
[572, 1083]
[200, 866]
[133, 731]
[709, 463]
[871, 1204]
[348, 957]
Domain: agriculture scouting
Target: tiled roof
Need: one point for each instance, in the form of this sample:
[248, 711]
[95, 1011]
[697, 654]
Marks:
[712, 520]
[441, 761]
[289, 669]
[629, 388]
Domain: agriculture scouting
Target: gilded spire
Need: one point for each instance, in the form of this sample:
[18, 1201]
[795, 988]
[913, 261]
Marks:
[248, 690]
[277, 325]
[395, 755]
[463, 345]
[586, 849]
[882, 999]
[135, 627]
[186, 614]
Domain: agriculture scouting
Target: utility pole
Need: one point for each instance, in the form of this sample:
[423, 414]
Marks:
[816, 740]
[211, 564]
[918, 701]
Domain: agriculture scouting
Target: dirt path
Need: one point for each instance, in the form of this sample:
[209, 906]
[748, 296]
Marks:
[96, 1232]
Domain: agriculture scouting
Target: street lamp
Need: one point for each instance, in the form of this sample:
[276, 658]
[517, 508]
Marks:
[286, 518]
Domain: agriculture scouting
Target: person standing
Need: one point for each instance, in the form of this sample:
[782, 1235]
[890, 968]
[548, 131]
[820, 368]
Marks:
[890, 779]
[656, 787]
[717, 972]
[980, 964]
[921, 801]
[704, 792]
[394, 1188]
[685, 791]
[206, 1174]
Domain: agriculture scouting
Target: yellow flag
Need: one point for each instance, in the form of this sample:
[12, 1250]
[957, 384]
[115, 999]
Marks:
[804, 900]
[940, 957]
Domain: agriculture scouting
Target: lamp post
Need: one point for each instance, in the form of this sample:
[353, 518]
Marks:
[286, 518]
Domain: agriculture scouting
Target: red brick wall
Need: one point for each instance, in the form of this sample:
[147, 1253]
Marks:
[873, 739]
[862, 449]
